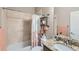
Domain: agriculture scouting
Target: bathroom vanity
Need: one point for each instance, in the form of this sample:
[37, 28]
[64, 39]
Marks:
[53, 45]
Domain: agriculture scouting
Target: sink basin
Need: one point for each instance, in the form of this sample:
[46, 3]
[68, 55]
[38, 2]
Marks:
[62, 47]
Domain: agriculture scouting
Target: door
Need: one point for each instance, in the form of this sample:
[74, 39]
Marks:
[27, 32]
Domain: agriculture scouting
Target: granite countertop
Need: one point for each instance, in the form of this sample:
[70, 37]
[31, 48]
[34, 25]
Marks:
[76, 48]
[50, 42]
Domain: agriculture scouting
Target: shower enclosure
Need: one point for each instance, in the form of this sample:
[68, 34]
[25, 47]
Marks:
[18, 29]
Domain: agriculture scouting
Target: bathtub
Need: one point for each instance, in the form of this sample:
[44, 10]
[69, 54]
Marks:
[18, 47]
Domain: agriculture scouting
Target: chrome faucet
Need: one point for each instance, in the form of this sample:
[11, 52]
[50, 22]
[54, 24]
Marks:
[66, 42]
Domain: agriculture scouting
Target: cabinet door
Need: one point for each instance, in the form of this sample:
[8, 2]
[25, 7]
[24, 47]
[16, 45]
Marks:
[2, 39]
[74, 22]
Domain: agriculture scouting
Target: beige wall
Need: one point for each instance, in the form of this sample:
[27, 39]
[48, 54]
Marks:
[63, 17]
[2, 32]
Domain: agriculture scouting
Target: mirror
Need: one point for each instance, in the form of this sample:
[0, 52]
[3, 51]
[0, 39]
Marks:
[74, 25]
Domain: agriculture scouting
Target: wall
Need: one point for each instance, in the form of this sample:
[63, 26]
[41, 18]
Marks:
[63, 17]
[2, 32]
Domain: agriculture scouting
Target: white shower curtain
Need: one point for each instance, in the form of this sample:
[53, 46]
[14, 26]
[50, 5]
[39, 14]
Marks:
[35, 29]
